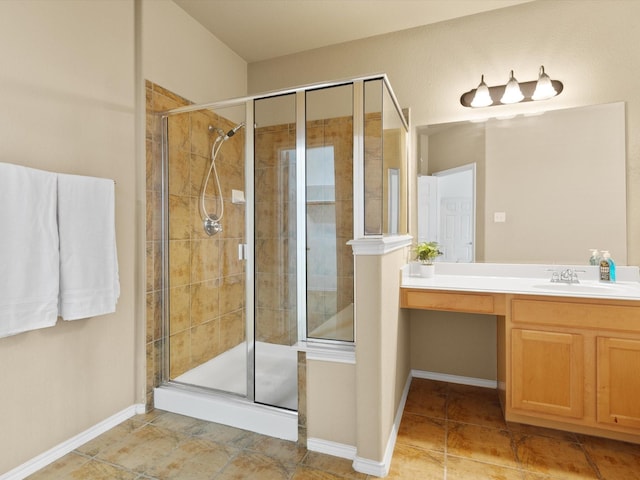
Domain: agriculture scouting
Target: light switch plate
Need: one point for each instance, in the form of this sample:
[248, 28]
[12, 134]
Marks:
[499, 217]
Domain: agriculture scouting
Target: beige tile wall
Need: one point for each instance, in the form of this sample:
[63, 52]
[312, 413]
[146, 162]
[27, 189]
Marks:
[336, 132]
[275, 231]
[207, 280]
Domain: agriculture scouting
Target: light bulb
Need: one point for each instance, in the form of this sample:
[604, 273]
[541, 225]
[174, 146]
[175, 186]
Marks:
[482, 98]
[512, 92]
[544, 88]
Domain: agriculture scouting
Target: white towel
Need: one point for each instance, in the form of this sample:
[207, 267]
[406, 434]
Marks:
[29, 261]
[89, 284]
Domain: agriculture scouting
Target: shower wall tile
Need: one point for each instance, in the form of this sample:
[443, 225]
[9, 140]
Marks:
[199, 166]
[201, 138]
[272, 326]
[157, 265]
[179, 172]
[232, 329]
[149, 312]
[154, 217]
[232, 293]
[205, 259]
[267, 291]
[180, 262]
[205, 303]
[154, 314]
[179, 353]
[179, 217]
[179, 308]
[181, 101]
[302, 395]
[149, 267]
[275, 222]
[205, 342]
[231, 264]
[232, 172]
[233, 220]
[179, 132]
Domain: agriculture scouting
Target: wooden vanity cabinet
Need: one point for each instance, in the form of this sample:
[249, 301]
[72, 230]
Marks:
[573, 364]
[563, 362]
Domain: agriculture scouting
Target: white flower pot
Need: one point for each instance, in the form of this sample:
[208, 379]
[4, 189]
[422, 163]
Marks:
[427, 271]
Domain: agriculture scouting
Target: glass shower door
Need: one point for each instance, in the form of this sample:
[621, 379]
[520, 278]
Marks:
[275, 374]
[329, 213]
[206, 278]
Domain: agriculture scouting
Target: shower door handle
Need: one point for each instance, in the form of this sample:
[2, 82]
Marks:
[242, 251]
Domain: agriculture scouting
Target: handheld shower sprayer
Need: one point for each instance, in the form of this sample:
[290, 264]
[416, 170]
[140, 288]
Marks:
[233, 131]
[212, 223]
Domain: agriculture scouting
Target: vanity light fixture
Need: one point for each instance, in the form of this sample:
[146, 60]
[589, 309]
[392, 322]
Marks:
[513, 92]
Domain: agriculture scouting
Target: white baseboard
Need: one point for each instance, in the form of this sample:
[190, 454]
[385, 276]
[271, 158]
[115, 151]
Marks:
[60, 450]
[331, 448]
[444, 377]
[381, 469]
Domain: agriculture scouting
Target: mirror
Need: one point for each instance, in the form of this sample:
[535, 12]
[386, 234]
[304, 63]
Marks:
[549, 187]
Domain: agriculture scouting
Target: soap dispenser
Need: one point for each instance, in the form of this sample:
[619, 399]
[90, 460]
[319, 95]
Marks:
[595, 257]
[610, 267]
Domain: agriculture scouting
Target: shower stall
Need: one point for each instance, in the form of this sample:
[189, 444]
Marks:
[261, 197]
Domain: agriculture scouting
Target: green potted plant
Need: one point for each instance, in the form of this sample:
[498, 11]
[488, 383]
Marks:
[426, 252]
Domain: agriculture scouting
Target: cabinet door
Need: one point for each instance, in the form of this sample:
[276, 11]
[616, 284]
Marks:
[547, 372]
[618, 381]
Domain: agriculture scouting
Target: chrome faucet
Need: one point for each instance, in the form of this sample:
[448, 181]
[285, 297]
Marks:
[568, 275]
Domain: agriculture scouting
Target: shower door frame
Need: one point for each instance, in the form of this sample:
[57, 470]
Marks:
[248, 249]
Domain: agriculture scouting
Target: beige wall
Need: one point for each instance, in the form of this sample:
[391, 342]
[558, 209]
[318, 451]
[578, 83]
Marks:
[382, 350]
[580, 42]
[331, 412]
[68, 98]
[182, 56]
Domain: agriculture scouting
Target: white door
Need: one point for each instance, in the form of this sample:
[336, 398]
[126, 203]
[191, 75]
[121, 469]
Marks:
[447, 212]
[456, 231]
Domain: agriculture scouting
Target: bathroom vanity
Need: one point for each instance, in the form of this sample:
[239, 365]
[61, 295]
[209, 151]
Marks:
[568, 354]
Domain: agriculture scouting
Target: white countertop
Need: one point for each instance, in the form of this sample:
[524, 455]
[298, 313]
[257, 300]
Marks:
[526, 279]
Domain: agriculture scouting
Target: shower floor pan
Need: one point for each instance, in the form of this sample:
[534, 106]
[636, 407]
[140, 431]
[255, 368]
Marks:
[276, 384]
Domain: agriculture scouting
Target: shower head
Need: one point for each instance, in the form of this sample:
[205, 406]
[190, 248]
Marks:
[233, 131]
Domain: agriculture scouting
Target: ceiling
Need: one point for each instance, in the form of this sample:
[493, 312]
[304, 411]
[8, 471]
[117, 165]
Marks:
[263, 29]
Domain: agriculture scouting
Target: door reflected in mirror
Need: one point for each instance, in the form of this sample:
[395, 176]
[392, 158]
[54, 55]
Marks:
[447, 212]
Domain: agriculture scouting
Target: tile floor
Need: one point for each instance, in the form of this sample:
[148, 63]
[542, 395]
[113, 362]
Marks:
[448, 431]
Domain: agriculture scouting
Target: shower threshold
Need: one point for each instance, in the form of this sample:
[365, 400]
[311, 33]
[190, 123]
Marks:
[227, 410]
[202, 392]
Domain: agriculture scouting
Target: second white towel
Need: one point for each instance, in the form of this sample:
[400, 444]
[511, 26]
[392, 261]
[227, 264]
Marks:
[89, 283]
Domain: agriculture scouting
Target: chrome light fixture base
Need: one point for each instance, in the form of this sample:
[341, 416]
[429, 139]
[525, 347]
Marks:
[535, 90]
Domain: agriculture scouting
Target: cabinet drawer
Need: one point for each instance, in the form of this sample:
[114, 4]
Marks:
[581, 315]
[451, 301]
